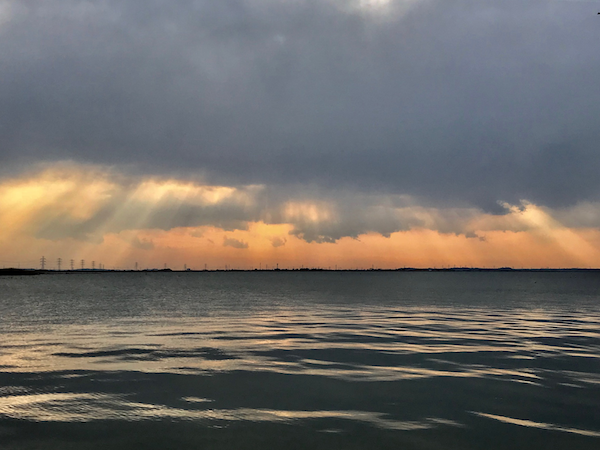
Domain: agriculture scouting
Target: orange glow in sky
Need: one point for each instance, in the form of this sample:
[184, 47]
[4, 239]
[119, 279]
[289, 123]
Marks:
[75, 212]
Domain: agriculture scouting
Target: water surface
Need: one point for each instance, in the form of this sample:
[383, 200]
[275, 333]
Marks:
[301, 360]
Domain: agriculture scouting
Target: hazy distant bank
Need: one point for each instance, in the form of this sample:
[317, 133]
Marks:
[16, 271]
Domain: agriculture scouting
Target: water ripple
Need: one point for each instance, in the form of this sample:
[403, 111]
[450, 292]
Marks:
[78, 407]
[543, 426]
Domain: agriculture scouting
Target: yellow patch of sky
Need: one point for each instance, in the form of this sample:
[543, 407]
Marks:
[155, 190]
[22, 200]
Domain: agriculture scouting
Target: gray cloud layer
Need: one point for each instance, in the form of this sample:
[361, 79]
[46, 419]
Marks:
[235, 243]
[456, 102]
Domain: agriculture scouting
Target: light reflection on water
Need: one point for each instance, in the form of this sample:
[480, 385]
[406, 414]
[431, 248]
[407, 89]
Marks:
[88, 407]
[331, 346]
[390, 361]
[543, 426]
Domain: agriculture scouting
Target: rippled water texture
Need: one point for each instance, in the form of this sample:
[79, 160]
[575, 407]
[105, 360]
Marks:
[300, 360]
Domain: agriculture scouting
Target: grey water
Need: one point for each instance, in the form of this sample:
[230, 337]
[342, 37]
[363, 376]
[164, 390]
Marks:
[253, 360]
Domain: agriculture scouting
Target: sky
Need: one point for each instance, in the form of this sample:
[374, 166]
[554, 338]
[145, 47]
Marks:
[300, 133]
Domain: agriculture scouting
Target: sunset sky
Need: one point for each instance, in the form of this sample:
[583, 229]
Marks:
[315, 133]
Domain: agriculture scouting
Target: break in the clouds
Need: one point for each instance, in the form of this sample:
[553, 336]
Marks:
[85, 204]
[454, 103]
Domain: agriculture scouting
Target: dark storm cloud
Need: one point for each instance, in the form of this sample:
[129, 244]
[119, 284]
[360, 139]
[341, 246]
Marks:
[460, 102]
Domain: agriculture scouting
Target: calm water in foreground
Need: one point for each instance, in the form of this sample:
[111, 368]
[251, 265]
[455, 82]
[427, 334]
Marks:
[300, 361]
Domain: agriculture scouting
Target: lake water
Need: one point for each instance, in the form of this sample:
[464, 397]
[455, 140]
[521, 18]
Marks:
[296, 360]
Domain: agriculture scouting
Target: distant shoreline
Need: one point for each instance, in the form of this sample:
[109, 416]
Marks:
[25, 272]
